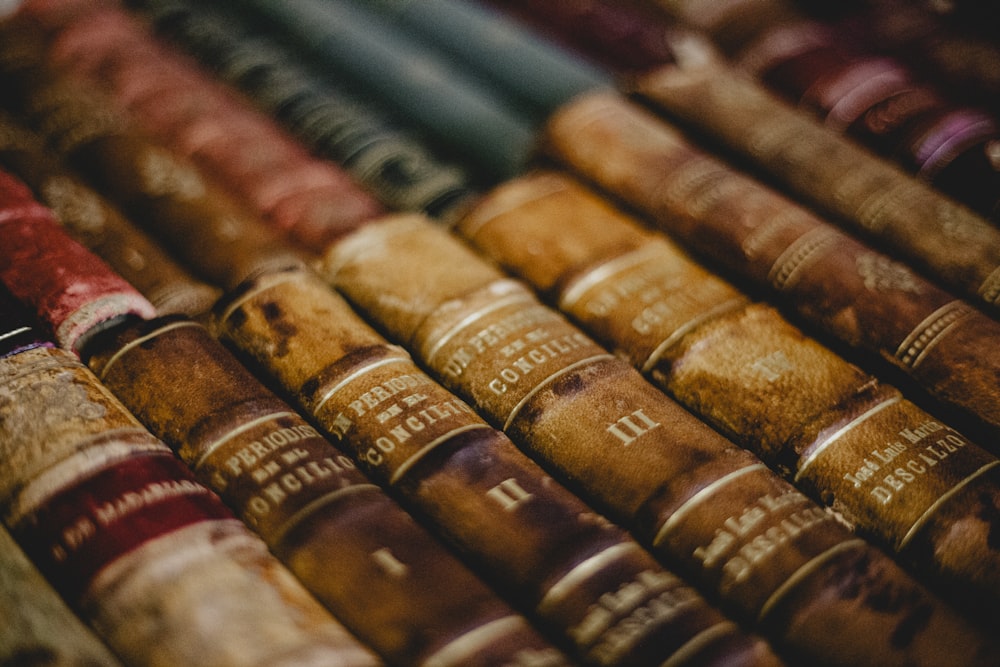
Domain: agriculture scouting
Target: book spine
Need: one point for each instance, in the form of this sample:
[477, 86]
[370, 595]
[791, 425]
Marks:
[349, 543]
[879, 102]
[130, 539]
[72, 303]
[895, 471]
[743, 533]
[963, 62]
[461, 110]
[485, 40]
[626, 37]
[169, 196]
[824, 68]
[580, 575]
[731, 24]
[335, 123]
[309, 199]
[860, 296]
[101, 227]
[38, 625]
[871, 196]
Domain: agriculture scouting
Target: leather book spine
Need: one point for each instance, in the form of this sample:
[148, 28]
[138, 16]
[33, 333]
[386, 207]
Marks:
[355, 549]
[133, 542]
[823, 66]
[582, 577]
[334, 122]
[964, 63]
[879, 102]
[170, 97]
[627, 37]
[737, 529]
[72, 290]
[216, 236]
[38, 627]
[866, 194]
[901, 476]
[458, 108]
[848, 290]
[100, 227]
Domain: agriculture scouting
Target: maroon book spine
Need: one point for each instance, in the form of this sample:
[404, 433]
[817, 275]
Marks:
[215, 234]
[311, 200]
[73, 291]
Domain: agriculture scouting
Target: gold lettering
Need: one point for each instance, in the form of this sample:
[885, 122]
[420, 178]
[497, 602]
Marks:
[632, 426]
[509, 494]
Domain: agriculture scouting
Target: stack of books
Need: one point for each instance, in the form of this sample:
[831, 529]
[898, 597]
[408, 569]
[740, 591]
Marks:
[456, 333]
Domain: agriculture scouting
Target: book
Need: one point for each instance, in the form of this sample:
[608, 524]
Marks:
[122, 530]
[310, 200]
[960, 59]
[871, 197]
[862, 297]
[335, 122]
[38, 625]
[867, 299]
[391, 582]
[173, 200]
[696, 499]
[582, 577]
[867, 194]
[956, 311]
[412, 570]
[888, 310]
[880, 102]
[839, 63]
[101, 227]
[79, 298]
[456, 108]
[852, 442]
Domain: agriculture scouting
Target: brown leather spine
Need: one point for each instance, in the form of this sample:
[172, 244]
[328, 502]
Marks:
[901, 476]
[580, 575]
[98, 225]
[131, 540]
[737, 529]
[868, 195]
[351, 545]
[213, 233]
[862, 297]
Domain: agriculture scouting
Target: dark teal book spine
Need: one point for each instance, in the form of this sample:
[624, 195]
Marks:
[336, 123]
[448, 101]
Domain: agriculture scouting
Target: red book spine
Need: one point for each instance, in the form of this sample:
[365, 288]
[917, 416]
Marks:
[311, 200]
[72, 289]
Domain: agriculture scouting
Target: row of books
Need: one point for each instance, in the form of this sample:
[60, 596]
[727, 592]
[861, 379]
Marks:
[438, 333]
